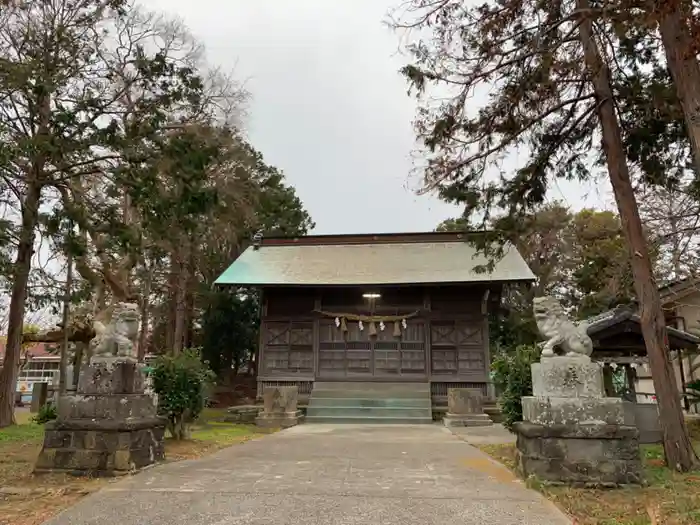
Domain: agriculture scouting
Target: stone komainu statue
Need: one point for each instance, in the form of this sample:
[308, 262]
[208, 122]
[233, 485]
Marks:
[117, 337]
[559, 330]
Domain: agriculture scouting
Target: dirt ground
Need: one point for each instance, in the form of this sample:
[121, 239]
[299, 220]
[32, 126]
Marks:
[28, 499]
[669, 499]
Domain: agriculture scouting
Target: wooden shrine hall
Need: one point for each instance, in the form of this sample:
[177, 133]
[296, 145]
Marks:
[385, 308]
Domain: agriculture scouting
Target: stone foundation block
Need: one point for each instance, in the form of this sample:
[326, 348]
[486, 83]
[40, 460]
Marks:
[466, 420]
[576, 410]
[242, 414]
[279, 407]
[279, 420]
[465, 408]
[101, 448]
[112, 376]
[586, 455]
[567, 377]
[464, 401]
[102, 406]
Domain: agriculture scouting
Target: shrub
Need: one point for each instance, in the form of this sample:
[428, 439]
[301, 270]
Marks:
[46, 413]
[513, 379]
[692, 390]
[181, 383]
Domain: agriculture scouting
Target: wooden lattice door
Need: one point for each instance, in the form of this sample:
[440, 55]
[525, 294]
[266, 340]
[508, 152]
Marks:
[458, 347]
[356, 354]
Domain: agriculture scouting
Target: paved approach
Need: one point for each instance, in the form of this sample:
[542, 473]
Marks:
[325, 474]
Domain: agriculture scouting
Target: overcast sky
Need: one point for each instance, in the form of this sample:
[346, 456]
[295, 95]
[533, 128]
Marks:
[329, 107]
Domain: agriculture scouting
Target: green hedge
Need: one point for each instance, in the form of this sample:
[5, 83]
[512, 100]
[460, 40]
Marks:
[513, 379]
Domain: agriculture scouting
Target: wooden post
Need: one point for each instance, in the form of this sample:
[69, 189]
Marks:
[608, 380]
[686, 404]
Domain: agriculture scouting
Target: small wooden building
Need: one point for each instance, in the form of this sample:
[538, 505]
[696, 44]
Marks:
[385, 308]
[618, 341]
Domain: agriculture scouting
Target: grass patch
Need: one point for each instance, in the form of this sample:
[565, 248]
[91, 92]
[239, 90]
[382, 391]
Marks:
[26, 432]
[26, 499]
[670, 498]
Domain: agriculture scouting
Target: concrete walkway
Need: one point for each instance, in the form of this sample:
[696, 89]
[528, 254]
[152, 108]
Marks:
[325, 474]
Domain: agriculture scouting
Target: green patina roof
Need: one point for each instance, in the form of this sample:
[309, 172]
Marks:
[430, 262]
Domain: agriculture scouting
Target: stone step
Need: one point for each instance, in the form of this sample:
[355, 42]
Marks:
[369, 394]
[422, 402]
[471, 424]
[370, 420]
[364, 386]
[365, 402]
[369, 412]
[473, 420]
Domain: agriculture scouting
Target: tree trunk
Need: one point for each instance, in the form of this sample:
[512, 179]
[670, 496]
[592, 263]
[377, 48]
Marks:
[145, 312]
[677, 446]
[65, 344]
[180, 300]
[78, 363]
[170, 306]
[682, 63]
[190, 297]
[21, 269]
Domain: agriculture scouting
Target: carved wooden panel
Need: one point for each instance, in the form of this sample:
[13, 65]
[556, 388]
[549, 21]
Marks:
[277, 333]
[301, 360]
[471, 360]
[457, 334]
[288, 347]
[413, 361]
[458, 347]
[469, 334]
[444, 361]
[276, 358]
[302, 334]
[442, 334]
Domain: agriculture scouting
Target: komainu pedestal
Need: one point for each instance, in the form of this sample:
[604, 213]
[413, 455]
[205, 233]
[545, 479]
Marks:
[465, 408]
[571, 432]
[108, 427]
[279, 407]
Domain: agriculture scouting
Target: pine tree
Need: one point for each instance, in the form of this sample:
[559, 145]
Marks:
[546, 75]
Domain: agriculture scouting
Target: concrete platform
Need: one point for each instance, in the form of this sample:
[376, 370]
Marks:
[325, 474]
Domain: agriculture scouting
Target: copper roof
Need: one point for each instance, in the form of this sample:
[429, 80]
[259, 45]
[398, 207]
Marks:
[385, 259]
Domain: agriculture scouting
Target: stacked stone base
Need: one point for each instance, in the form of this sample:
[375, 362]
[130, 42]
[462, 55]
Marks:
[108, 428]
[572, 433]
[101, 448]
[279, 420]
[581, 455]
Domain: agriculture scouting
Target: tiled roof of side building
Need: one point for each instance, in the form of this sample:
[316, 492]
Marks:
[36, 350]
[621, 314]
